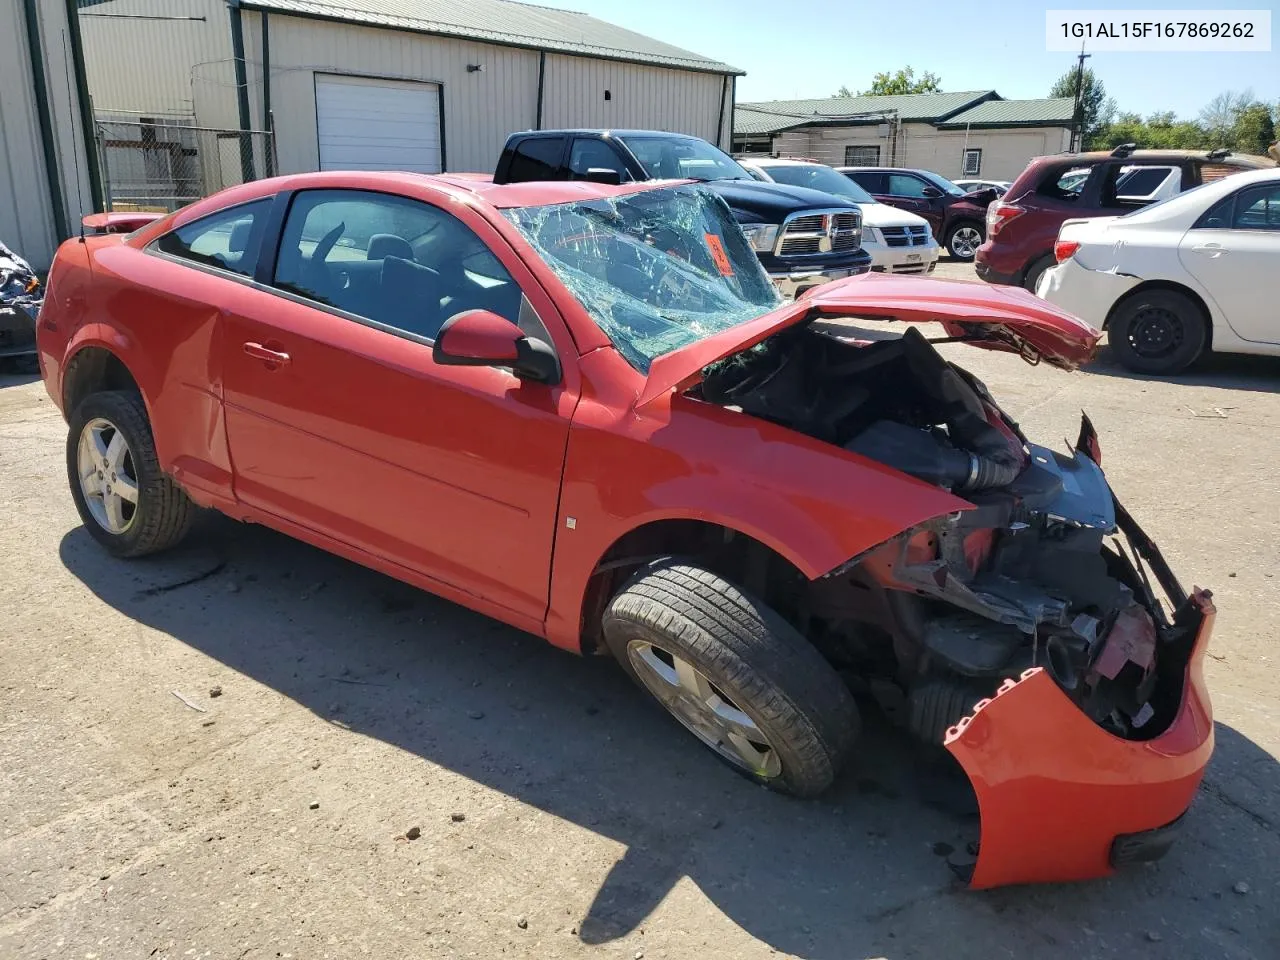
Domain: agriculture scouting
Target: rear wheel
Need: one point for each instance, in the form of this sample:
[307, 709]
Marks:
[1158, 332]
[735, 674]
[964, 239]
[1031, 278]
[124, 499]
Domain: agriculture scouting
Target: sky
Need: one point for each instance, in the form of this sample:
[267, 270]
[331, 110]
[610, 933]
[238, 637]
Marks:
[793, 49]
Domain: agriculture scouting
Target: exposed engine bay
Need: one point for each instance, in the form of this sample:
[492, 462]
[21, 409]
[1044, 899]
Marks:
[1037, 574]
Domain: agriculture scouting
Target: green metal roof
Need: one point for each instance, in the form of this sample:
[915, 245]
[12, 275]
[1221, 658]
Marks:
[774, 115]
[1005, 113]
[504, 22]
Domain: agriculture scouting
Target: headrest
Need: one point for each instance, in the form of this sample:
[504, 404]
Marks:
[383, 245]
[239, 239]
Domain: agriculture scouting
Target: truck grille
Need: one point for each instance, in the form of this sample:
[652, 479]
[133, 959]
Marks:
[906, 236]
[830, 231]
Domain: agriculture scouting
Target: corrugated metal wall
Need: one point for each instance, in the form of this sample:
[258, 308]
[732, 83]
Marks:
[27, 222]
[650, 98]
[480, 107]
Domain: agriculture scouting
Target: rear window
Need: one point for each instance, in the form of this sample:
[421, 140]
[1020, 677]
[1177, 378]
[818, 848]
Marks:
[1064, 184]
[537, 158]
[227, 240]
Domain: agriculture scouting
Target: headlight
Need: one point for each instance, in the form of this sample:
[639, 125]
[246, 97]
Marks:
[761, 236]
[872, 235]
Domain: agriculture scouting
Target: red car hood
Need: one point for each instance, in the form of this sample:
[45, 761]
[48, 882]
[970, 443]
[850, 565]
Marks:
[1009, 318]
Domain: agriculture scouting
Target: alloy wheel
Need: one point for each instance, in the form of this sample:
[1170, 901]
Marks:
[108, 477]
[965, 242]
[704, 709]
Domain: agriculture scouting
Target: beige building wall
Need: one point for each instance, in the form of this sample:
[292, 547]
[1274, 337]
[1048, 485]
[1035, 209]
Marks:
[28, 224]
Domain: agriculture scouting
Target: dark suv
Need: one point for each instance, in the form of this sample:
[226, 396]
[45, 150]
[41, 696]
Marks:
[803, 237]
[1023, 225]
[956, 218]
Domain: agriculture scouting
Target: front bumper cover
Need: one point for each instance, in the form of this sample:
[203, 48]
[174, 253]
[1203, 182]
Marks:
[1059, 797]
[17, 330]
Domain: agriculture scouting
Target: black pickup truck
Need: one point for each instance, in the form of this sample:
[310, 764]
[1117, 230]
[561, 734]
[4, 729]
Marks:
[803, 237]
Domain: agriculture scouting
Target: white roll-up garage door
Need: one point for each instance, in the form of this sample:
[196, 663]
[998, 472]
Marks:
[365, 124]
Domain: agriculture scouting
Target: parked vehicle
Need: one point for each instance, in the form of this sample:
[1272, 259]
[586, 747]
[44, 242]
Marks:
[899, 242]
[956, 217]
[976, 186]
[582, 409]
[1177, 279]
[1023, 225]
[20, 298]
[803, 237]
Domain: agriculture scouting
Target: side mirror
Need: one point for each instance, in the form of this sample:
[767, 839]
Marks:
[481, 338]
[603, 175]
[931, 193]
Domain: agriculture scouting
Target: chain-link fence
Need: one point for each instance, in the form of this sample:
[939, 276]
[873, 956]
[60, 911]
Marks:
[163, 164]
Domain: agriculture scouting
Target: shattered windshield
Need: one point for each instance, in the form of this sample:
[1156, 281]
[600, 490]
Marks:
[656, 270]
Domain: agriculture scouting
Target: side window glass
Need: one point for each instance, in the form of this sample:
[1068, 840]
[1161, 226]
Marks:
[1217, 217]
[901, 185]
[1258, 208]
[396, 261]
[227, 239]
[586, 155]
[537, 158]
[870, 182]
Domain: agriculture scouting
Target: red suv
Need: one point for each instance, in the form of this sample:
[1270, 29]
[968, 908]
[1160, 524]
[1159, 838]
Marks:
[1023, 225]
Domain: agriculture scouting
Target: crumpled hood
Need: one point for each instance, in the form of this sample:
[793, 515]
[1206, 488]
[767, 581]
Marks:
[773, 201]
[1010, 318]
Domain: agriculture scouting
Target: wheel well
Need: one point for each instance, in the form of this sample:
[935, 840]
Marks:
[1148, 285]
[965, 222]
[93, 370]
[722, 550]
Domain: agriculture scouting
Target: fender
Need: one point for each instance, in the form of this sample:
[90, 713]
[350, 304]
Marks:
[812, 503]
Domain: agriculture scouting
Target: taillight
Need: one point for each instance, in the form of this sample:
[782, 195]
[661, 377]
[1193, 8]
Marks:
[999, 214]
[1065, 249]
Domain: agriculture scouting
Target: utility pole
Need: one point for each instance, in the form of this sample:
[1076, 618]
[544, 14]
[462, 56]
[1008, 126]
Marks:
[1077, 125]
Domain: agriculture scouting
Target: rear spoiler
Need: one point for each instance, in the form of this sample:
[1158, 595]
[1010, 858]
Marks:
[118, 222]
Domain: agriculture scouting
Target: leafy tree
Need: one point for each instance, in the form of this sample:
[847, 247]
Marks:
[1220, 114]
[1254, 130]
[1097, 108]
[903, 81]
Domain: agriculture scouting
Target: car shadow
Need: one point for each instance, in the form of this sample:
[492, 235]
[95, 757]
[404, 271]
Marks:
[1229, 371]
[16, 373]
[827, 880]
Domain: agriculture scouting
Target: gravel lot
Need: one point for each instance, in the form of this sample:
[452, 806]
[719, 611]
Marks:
[559, 814]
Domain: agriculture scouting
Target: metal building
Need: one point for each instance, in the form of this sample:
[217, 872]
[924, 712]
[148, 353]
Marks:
[45, 173]
[426, 85]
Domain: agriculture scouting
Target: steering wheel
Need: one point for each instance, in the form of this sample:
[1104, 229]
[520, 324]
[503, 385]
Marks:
[759, 371]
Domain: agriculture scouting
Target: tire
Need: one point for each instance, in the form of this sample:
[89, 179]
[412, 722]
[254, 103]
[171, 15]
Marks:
[161, 512]
[755, 665]
[964, 238]
[1034, 272]
[1158, 332]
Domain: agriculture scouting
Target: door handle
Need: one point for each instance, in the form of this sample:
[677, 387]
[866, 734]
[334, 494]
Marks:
[1214, 250]
[273, 357]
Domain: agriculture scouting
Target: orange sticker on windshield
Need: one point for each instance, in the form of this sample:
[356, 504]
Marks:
[718, 255]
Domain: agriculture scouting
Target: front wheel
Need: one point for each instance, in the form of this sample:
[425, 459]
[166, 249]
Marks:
[1158, 332]
[963, 240]
[125, 500]
[735, 674]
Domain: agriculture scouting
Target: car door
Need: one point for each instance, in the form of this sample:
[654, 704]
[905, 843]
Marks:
[908, 193]
[536, 158]
[1234, 251]
[340, 422]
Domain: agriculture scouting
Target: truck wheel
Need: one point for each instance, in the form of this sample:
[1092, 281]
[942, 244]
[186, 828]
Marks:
[735, 674]
[125, 501]
[964, 239]
[1157, 332]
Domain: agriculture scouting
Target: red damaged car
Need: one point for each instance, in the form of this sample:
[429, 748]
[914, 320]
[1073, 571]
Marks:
[583, 410]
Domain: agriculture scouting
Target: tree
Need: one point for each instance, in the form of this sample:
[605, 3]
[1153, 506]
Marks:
[1097, 109]
[895, 84]
[1254, 130]
[1220, 114]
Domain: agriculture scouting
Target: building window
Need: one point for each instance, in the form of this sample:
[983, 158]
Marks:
[972, 162]
[862, 156]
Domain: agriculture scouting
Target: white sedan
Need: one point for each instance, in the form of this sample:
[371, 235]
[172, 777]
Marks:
[1176, 279]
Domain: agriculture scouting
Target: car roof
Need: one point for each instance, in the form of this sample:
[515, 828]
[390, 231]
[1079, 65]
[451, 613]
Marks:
[885, 170]
[1097, 156]
[605, 132]
[780, 162]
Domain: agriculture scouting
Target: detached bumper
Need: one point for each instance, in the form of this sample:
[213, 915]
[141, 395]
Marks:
[1062, 799]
